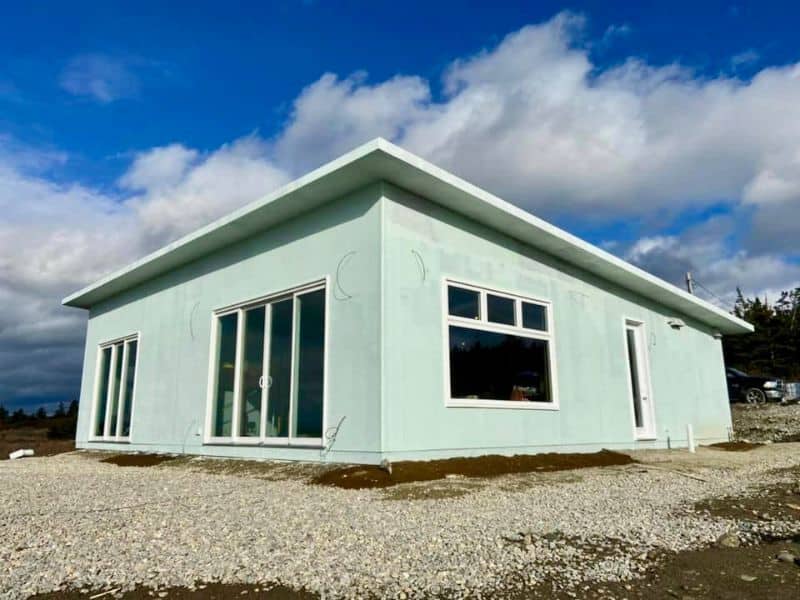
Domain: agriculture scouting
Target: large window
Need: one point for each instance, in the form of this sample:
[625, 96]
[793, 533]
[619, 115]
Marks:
[115, 381]
[500, 349]
[268, 370]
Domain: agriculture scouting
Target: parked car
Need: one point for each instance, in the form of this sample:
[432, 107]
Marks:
[752, 388]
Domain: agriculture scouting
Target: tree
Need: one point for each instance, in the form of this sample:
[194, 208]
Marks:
[3, 414]
[60, 411]
[773, 349]
[41, 413]
[72, 411]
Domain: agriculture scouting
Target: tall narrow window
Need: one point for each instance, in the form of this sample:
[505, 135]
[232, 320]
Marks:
[311, 364]
[114, 390]
[127, 398]
[280, 369]
[499, 349]
[102, 392]
[270, 375]
[226, 365]
[252, 372]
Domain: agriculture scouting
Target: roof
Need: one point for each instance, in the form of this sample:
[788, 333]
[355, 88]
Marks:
[382, 160]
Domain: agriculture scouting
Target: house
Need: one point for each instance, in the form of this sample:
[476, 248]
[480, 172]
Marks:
[382, 308]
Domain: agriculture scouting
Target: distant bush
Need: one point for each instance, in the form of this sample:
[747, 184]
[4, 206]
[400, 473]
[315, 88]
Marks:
[62, 428]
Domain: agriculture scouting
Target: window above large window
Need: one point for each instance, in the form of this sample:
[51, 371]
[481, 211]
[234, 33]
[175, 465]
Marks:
[115, 381]
[499, 349]
[268, 370]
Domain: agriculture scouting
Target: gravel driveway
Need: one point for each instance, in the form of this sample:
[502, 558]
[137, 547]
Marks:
[73, 521]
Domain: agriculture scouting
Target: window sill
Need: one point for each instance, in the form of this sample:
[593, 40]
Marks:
[512, 404]
[109, 441]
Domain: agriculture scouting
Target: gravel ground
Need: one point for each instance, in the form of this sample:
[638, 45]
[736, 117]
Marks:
[70, 521]
[766, 422]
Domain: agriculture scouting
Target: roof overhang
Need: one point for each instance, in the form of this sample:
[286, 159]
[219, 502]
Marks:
[380, 160]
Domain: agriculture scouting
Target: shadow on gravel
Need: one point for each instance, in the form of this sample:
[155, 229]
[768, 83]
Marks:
[210, 591]
[137, 460]
[366, 476]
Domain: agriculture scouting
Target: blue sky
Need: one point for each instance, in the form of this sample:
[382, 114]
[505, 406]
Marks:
[668, 133]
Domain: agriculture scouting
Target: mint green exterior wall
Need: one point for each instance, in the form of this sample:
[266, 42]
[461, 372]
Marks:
[173, 315]
[385, 254]
[595, 411]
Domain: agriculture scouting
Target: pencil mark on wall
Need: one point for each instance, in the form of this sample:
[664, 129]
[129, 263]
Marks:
[330, 437]
[422, 269]
[338, 291]
[191, 318]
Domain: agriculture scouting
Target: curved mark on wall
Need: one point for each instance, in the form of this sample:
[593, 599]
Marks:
[338, 291]
[423, 271]
[191, 318]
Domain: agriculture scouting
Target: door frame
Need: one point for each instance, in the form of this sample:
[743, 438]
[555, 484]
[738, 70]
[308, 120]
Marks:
[646, 402]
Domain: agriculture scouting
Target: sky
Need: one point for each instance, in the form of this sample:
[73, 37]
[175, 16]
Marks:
[666, 133]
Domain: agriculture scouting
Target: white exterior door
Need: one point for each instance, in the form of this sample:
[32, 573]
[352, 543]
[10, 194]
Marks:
[641, 396]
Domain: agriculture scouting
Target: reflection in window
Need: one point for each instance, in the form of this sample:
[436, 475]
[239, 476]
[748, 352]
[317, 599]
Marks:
[280, 369]
[500, 310]
[280, 365]
[463, 303]
[252, 370]
[534, 316]
[498, 366]
[226, 371]
[113, 403]
[102, 394]
[311, 363]
[127, 398]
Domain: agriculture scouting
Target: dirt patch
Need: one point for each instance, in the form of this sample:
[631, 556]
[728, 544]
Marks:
[361, 477]
[713, 573]
[137, 460]
[777, 501]
[735, 446]
[210, 591]
[35, 438]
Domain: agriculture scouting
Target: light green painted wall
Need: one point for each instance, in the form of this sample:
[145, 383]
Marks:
[386, 349]
[173, 315]
[595, 411]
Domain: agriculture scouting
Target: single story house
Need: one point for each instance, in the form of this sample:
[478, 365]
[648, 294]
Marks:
[380, 308]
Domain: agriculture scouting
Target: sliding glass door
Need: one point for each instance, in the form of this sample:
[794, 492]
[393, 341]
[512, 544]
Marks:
[269, 370]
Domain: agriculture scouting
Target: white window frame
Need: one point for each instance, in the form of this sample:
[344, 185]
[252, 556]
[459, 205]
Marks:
[125, 341]
[239, 309]
[483, 324]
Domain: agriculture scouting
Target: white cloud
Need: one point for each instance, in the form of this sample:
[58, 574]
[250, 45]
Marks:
[181, 190]
[100, 77]
[56, 238]
[334, 115]
[532, 119]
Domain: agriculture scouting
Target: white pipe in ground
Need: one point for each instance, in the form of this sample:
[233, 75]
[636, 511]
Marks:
[690, 437]
[19, 454]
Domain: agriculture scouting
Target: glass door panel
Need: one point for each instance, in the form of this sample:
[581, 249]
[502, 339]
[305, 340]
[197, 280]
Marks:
[116, 360]
[311, 364]
[127, 398]
[102, 394]
[252, 372]
[278, 378]
[226, 374]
